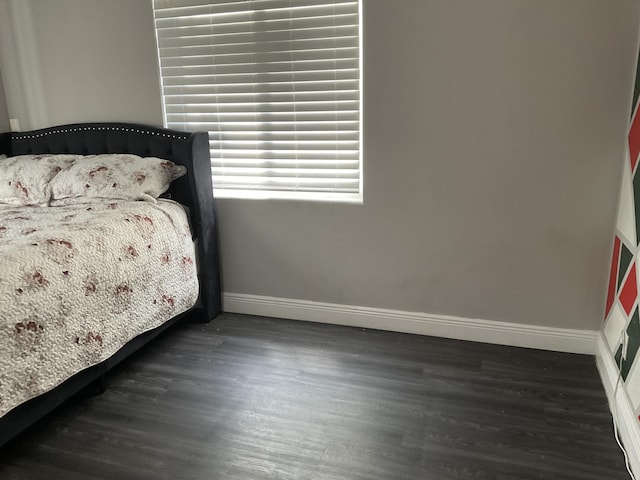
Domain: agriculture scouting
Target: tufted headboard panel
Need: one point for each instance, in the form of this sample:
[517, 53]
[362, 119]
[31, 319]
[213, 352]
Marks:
[194, 190]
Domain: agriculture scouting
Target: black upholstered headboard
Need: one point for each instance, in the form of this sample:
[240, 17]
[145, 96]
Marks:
[194, 190]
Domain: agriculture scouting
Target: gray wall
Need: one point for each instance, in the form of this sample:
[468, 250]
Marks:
[93, 60]
[4, 112]
[493, 137]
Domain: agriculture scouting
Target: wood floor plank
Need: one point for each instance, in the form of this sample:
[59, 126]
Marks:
[256, 398]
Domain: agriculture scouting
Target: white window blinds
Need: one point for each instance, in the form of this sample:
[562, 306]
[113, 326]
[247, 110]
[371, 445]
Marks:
[277, 85]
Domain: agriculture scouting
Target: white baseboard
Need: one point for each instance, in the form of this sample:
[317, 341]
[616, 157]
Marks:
[476, 330]
[620, 405]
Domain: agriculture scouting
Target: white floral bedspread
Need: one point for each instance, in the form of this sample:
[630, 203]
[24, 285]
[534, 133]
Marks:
[78, 282]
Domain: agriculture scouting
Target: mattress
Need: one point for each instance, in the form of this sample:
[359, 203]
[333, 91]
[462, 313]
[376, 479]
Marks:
[77, 282]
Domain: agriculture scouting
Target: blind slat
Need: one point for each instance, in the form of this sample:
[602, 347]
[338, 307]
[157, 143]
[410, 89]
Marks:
[264, 89]
[276, 83]
[221, 36]
[195, 41]
[174, 8]
[177, 114]
[274, 66]
[210, 75]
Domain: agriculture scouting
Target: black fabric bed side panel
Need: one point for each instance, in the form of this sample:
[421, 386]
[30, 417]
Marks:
[202, 187]
[5, 143]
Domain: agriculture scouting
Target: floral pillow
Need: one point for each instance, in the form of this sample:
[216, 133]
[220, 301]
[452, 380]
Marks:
[24, 179]
[114, 176]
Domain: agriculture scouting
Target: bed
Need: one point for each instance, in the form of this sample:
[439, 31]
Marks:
[114, 246]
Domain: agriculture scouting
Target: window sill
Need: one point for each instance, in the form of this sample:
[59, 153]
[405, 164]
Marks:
[351, 198]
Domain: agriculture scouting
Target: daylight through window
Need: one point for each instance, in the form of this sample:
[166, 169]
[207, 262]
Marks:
[276, 83]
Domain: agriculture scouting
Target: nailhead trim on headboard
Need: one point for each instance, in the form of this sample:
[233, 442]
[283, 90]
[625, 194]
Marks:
[17, 136]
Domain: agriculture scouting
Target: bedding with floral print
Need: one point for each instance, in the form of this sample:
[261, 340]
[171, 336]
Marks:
[114, 176]
[24, 180]
[78, 282]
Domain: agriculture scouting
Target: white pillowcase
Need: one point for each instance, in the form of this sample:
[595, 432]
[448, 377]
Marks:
[114, 176]
[24, 179]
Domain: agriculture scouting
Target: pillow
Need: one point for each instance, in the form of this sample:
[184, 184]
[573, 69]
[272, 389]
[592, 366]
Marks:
[114, 177]
[24, 179]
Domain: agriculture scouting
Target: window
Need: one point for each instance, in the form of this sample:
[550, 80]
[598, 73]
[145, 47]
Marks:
[276, 83]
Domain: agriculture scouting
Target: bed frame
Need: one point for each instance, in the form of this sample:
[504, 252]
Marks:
[194, 190]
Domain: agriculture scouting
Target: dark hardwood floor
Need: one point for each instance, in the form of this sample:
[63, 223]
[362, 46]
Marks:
[254, 398]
